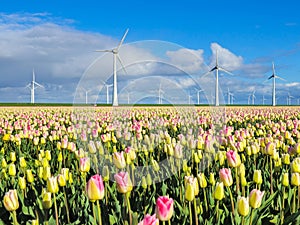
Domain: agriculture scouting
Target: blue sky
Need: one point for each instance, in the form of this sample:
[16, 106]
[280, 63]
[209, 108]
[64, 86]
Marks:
[58, 39]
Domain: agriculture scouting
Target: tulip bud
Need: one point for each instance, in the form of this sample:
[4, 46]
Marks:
[155, 165]
[52, 185]
[286, 159]
[46, 201]
[149, 220]
[95, 188]
[119, 160]
[270, 148]
[124, 184]
[295, 180]
[189, 191]
[10, 200]
[296, 165]
[22, 162]
[225, 177]
[164, 208]
[105, 173]
[242, 170]
[46, 173]
[257, 178]
[219, 191]
[12, 169]
[48, 155]
[243, 181]
[65, 173]
[29, 176]
[149, 179]
[255, 198]
[60, 157]
[202, 180]
[40, 172]
[233, 158]
[144, 182]
[22, 183]
[12, 156]
[243, 206]
[70, 178]
[285, 179]
[84, 164]
[61, 180]
[3, 163]
[184, 165]
[212, 180]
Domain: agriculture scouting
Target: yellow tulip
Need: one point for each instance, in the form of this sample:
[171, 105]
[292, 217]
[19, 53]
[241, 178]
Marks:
[46, 200]
[243, 206]
[29, 176]
[295, 180]
[23, 163]
[12, 169]
[257, 177]
[10, 200]
[285, 179]
[22, 183]
[52, 185]
[219, 191]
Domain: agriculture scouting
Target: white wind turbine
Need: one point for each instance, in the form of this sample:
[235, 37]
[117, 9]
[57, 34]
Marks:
[230, 97]
[263, 99]
[253, 97]
[289, 99]
[115, 52]
[274, 76]
[32, 87]
[198, 95]
[107, 91]
[217, 68]
[160, 92]
[190, 99]
[86, 96]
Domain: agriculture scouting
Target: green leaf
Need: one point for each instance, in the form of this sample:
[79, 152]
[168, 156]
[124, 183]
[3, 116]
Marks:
[112, 219]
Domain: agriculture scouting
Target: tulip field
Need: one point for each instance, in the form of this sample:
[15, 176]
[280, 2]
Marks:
[149, 165]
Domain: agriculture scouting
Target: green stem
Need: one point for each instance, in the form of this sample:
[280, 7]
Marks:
[298, 203]
[169, 221]
[205, 200]
[282, 206]
[67, 207]
[190, 210]
[99, 212]
[217, 212]
[237, 181]
[243, 220]
[294, 201]
[55, 206]
[14, 215]
[129, 208]
[94, 214]
[231, 200]
[195, 211]
[271, 176]
[251, 217]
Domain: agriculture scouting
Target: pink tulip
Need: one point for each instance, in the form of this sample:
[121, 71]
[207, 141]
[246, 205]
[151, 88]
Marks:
[149, 220]
[84, 164]
[164, 208]
[233, 158]
[225, 176]
[95, 188]
[124, 183]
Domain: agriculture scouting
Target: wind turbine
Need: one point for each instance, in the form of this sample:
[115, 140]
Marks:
[115, 52]
[190, 97]
[263, 99]
[229, 96]
[32, 87]
[253, 97]
[217, 68]
[198, 95]
[107, 91]
[289, 99]
[232, 98]
[160, 92]
[86, 96]
[274, 76]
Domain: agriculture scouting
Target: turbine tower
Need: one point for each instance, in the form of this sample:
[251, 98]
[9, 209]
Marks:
[32, 87]
[115, 52]
[107, 91]
[160, 92]
[274, 76]
[217, 68]
[198, 95]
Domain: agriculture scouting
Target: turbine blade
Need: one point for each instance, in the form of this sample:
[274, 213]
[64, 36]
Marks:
[122, 40]
[280, 78]
[123, 67]
[270, 77]
[38, 84]
[104, 51]
[205, 74]
[226, 71]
